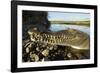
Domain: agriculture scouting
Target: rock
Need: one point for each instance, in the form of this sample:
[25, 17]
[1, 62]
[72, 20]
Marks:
[45, 52]
[27, 50]
[37, 49]
[69, 55]
[34, 57]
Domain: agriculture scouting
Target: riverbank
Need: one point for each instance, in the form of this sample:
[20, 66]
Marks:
[83, 23]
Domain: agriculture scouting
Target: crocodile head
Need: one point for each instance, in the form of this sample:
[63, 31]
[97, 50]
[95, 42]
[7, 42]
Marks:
[34, 34]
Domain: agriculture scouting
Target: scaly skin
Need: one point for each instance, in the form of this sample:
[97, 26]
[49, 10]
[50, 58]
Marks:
[71, 37]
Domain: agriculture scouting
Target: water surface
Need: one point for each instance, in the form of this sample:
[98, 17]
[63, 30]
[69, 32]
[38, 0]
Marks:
[58, 27]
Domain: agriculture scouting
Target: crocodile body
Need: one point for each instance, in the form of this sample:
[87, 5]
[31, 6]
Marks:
[70, 37]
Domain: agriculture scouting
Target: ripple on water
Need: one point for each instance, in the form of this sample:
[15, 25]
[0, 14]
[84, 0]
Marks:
[58, 27]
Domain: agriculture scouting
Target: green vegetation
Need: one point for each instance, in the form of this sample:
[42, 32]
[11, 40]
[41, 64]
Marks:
[85, 23]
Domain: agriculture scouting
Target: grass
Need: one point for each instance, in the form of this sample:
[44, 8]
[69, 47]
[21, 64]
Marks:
[84, 23]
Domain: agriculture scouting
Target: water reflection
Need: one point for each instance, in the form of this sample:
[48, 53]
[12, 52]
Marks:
[58, 27]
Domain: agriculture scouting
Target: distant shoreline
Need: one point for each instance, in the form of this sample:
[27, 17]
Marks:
[83, 23]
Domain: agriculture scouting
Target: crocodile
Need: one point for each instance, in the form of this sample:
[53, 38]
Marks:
[70, 37]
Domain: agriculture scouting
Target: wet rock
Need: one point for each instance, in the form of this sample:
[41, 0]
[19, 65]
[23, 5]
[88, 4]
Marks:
[34, 57]
[45, 52]
[27, 50]
[37, 51]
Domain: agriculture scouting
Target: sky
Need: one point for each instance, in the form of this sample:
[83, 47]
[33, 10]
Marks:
[68, 16]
